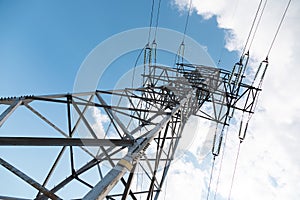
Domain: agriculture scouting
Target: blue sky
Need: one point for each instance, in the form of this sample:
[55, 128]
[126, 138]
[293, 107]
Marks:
[43, 43]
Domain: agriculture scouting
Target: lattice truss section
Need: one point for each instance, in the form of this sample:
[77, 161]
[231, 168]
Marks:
[115, 144]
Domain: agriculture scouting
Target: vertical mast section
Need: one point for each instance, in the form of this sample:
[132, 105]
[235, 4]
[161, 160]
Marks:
[126, 164]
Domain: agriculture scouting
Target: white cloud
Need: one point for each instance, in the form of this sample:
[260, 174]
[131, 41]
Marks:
[99, 120]
[182, 184]
[269, 164]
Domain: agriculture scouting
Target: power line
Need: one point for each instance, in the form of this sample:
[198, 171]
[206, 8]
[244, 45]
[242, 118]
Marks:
[157, 18]
[187, 21]
[221, 161]
[224, 42]
[135, 64]
[149, 35]
[210, 179]
[259, 19]
[279, 26]
[234, 171]
[257, 11]
[151, 18]
[180, 53]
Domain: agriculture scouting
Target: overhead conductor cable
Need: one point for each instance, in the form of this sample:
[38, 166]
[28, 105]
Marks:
[241, 137]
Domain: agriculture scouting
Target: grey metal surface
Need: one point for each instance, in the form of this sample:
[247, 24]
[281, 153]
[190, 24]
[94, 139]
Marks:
[146, 124]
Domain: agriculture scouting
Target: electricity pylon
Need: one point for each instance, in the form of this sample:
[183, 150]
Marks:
[143, 127]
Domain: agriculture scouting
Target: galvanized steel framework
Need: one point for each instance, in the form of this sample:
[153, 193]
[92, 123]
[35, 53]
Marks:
[144, 128]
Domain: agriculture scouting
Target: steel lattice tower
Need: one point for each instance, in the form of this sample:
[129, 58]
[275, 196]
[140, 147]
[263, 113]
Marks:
[143, 131]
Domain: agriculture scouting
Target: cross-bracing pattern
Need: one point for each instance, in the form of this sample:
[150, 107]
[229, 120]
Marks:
[125, 154]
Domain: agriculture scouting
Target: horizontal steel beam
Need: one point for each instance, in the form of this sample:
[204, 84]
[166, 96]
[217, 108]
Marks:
[37, 141]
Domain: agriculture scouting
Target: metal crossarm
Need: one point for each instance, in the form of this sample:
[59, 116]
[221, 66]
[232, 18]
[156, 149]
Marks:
[136, 135]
